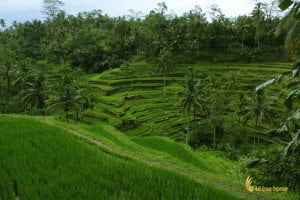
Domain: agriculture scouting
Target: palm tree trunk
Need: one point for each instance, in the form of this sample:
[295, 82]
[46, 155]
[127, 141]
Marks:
[194, 119]
[77, 116]
[214, 139]
[67, 115]
[188, 129]
[258, 134]
[256, 128]
[8, 84]
[243, 41]
[165, 81]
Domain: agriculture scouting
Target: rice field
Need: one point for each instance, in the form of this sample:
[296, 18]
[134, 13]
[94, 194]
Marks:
[39, 161]
[135, 100]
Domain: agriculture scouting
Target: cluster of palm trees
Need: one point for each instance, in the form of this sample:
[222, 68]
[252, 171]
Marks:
[26, 89]
[70, 97]
[290, 24]
[291, 126]
[208, 99]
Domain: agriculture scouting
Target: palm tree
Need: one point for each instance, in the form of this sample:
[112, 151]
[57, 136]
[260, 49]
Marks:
[7, 75]
[241, 104]
[36, 92]
[164, 64]
[68, 96]
[89, 102]
[217, 106]
[192, 99]
[258, 16]
[256, 111]
[244, 30]
[2, 23]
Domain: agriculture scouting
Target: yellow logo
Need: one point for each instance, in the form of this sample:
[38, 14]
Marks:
[251, 188]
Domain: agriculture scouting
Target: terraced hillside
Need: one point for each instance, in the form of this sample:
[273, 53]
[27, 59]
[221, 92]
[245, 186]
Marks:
[42, 158]
[135, 99]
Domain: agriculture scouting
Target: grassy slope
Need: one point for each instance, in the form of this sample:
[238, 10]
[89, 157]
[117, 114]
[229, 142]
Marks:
[41, 161]
[47, 159]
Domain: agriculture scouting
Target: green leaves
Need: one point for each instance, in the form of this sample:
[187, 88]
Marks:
[292, 94]
[293, 144]
[2, 23]
[295, 115]
[297, 11]
[270, 82]
[296, 72]
[283, 129]
[285, 4]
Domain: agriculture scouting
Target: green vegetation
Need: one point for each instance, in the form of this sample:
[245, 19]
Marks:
[154, 107]
[170, 148]
[42, 161]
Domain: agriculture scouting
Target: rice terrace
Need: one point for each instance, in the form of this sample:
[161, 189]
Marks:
[163, 103]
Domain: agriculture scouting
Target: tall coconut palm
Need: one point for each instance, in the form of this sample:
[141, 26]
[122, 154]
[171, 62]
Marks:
[258, 16]
[192, 100]
[68, 96]
[2, 23]
[217, 106]
[7, 74]
[36, 92]
[241, 103]
[257, 110]
[164, 64]
[244, 29]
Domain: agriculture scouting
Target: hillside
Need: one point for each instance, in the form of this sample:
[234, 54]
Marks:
[135, 100]
[45, 158]
[156, 102]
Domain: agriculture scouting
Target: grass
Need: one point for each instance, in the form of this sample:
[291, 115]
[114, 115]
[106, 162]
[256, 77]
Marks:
[39, 161]
[170, 147]
[102, 159]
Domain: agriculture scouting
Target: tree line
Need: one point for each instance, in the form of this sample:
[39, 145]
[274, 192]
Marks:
[94, 41]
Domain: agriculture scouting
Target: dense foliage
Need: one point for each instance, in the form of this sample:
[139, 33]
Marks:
[286, 163]
[41, 63]
[95, 42]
